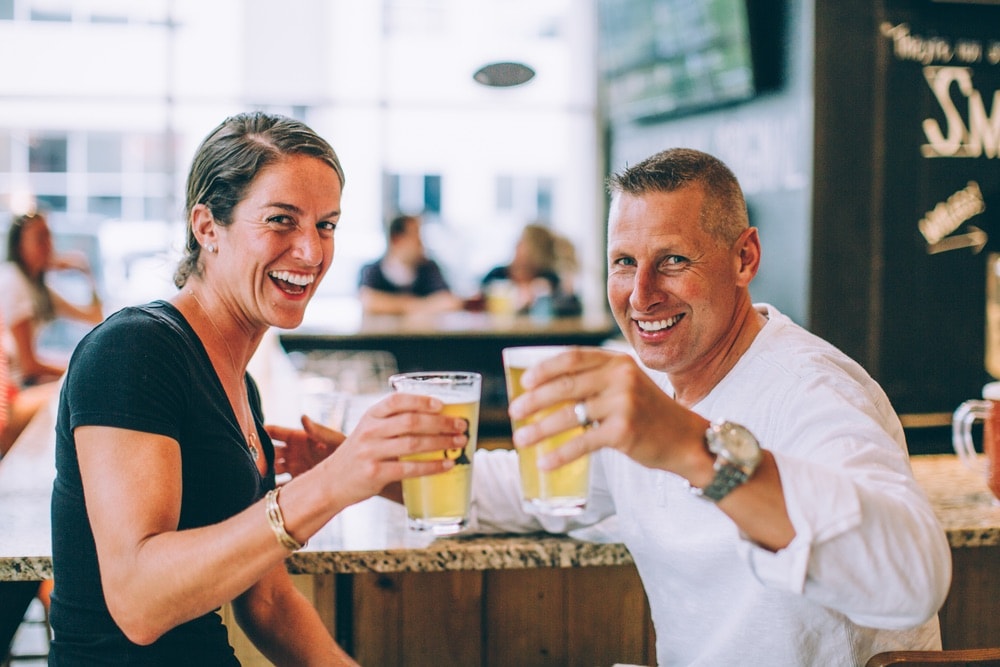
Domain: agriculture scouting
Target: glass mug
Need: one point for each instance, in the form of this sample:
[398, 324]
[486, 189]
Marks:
[440, 503]
[987, 410]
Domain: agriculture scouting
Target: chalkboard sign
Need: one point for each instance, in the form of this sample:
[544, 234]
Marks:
[907, 192]
[942, 200]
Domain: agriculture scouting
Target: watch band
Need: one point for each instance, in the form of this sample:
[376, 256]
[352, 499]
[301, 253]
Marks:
[737, 455]
[727, 478]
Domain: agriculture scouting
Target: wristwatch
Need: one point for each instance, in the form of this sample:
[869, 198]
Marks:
[737, 455]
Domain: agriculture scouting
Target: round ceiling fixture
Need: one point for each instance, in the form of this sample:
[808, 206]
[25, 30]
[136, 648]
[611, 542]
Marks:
[504, 74]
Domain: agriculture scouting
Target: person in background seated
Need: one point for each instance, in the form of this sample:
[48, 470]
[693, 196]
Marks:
[15, 412]
[404, 280]
[533, 281]
[27, 303]
[164, 506]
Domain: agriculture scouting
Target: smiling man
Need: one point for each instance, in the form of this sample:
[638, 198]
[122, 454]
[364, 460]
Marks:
[759, 476]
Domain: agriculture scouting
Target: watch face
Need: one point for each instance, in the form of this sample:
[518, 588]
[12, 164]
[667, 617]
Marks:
[736, 443]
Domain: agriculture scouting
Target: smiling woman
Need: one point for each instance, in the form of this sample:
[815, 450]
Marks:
[160, 428]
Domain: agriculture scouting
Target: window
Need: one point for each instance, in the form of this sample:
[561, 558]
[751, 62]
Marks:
[413, 193]
[109, 207]
[525, 198]
[53, 203]
[47, 154]
[5, 162]
[104, 152]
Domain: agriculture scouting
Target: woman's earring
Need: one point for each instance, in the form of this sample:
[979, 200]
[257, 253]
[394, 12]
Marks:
[210, 247]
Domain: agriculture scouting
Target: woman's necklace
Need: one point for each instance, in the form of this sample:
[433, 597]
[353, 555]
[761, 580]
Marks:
[251, 435]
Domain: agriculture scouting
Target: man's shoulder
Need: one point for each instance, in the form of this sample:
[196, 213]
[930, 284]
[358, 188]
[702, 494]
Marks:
[787, 349]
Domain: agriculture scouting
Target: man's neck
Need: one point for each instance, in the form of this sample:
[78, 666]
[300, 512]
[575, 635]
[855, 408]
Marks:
[692, 386]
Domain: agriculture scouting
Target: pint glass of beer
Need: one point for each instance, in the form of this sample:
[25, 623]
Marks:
[440, 503]
[562, 491]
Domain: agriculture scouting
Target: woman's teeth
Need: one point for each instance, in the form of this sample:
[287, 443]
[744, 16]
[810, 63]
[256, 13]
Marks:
[300, 279]
[659, 325]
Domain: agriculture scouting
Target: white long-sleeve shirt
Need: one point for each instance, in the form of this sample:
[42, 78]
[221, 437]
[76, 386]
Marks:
[868, 568]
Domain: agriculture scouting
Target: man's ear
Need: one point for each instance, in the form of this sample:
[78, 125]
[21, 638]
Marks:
[748, 253]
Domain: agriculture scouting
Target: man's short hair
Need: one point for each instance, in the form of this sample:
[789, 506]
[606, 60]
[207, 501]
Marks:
[724, 214]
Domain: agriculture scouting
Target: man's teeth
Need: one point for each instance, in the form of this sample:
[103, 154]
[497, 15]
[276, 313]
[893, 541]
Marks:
[300, 279]
[658, 325]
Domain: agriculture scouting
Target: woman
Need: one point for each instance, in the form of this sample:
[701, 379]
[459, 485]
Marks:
[160, 429]
[27, 303]
[532, 282]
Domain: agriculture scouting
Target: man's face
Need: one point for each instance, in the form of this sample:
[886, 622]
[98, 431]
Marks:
[673, 288]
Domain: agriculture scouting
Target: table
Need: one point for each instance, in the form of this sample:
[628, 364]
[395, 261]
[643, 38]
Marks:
[531, 595]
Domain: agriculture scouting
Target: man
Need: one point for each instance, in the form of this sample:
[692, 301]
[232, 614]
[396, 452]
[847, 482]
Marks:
[405, 280]
[759, 477]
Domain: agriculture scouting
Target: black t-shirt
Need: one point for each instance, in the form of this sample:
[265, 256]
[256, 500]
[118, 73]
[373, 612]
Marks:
[145, 369]
[428, 280]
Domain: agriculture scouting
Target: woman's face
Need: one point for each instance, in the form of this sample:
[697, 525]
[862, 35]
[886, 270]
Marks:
[280, 243]
[35, 248]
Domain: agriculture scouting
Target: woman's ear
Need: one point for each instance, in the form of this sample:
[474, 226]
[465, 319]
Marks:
[203, 226]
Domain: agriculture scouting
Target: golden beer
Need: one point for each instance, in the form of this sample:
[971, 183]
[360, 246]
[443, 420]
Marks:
[440, 503]
[443, 499]
[562, 491]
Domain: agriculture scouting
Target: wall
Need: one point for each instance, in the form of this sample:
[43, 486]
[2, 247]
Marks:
[767, 142]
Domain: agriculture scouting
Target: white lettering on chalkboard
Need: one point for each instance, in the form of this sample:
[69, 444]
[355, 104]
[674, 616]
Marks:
[926, 50]
[982, 134]
[937, 49]
[949, 215]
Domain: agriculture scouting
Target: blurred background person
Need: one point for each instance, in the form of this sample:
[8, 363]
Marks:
[404, 280]
[16, 409]
[538, 279]
[27, 303]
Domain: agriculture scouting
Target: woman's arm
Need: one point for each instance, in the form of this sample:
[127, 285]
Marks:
[156, 577]
[92, 313]
[33, 368]
[285, 626]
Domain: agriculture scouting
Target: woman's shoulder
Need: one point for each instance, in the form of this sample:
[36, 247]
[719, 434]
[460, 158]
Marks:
[146, 324]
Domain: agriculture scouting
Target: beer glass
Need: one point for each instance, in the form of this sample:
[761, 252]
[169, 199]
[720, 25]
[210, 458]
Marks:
[440, 503]
[563, 491]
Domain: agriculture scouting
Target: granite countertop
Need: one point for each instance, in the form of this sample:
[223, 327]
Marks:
[371, 536]
[963, 503]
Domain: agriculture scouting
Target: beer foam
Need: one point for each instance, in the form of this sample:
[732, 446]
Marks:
[528, 356]
[447, 387]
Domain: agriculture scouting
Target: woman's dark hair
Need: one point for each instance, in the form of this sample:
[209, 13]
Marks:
[44, 308]
[230, 158]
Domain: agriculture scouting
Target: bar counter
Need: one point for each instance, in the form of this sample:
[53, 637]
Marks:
[365, 561]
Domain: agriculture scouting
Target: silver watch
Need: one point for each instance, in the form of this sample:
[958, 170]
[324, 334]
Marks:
[737, 455]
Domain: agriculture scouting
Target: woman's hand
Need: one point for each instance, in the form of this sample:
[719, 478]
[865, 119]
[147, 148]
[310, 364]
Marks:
[373, 456]
[70, 261]
[300, 450]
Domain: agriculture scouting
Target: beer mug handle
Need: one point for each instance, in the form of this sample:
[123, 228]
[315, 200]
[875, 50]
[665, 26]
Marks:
[961, 429]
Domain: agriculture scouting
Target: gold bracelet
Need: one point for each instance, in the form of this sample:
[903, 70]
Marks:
[277, 521]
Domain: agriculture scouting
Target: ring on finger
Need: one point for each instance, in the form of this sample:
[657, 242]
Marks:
[582, 415]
